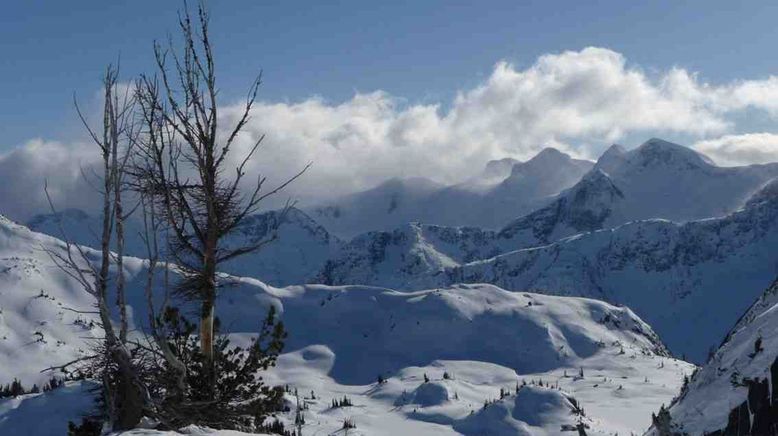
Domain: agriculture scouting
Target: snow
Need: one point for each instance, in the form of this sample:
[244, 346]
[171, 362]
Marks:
[596, 264]
[307, 245]
[46, 414]
[342, 337]
[488, 201]
[660, 179]
[711, 394]
[673, 275]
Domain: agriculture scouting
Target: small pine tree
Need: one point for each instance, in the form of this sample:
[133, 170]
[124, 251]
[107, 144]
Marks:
[88, 427]
[16, 388]
[663, 422]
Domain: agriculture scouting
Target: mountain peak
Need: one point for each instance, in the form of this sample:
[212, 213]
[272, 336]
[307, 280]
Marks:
[547, 159]
[612, 157]
[549, 153]
[615, 149]
[657, 151]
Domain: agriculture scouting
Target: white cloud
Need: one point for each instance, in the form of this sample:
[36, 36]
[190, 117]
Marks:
[733, 150]
[25, 170]
[578, 101]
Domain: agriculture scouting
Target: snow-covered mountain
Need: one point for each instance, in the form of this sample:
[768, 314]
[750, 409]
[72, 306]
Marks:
[393, 202]
[399, 258]
[299, 250]
[660, 179]
[656, 180]
[39, 321]
[688, 280]
[572, 352]
[583, 208]
[85, 229]
[584, 231]
[673, 275]
[739, 383]
[488, 201]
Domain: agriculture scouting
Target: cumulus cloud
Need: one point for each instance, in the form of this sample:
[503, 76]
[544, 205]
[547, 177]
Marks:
[25, 171]
[734, 150]
[578, 101]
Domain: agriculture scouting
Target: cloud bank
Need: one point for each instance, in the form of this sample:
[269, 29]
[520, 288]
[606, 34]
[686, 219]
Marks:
[734, 150]
[578, 101]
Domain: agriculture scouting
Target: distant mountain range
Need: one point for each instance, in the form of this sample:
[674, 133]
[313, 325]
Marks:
[673, 275]
[490, 200]
[474, 343]
[485, 280]
[658, 228]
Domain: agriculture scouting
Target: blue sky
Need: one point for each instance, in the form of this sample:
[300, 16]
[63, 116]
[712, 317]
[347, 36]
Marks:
[373, 90]
[418, 50]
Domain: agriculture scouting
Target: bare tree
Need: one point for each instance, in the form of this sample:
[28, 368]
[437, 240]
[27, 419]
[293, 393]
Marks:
[186, 159]
[124, 392]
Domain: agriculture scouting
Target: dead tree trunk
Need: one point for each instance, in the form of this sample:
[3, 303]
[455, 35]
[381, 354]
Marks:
[124, 391]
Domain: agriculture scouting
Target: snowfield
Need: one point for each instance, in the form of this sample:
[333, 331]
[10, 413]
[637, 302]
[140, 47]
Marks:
[485, 339]
[562, 305]
[673, 275]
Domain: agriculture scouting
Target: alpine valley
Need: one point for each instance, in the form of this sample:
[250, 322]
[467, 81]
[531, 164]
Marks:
[631, 295]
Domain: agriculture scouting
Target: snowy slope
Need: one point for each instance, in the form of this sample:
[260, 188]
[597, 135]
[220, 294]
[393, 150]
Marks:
[398, 258]
[675, 276]
[530, 185]
[85, 229]
[301, 248]
[38, 325]
[583, 208]
[393, 202]
[343, 337]
[660, 179]
[487, 201]
[671, 274]
[720, 385]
